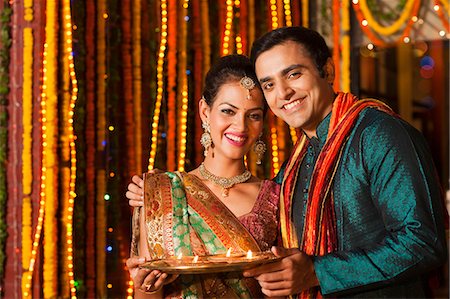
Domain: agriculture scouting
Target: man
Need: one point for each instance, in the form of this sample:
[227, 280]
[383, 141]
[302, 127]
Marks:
[360, 209]
[360, 204]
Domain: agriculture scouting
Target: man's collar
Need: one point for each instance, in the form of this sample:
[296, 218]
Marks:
[322, 129]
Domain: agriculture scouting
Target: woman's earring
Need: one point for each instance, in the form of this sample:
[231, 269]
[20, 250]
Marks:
[259, 148]
[206, 139]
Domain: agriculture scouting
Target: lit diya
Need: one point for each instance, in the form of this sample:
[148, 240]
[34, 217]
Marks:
[231, 261]
[235, 257]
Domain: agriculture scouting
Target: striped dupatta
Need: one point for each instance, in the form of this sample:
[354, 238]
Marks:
[319, 232]
[182, 216]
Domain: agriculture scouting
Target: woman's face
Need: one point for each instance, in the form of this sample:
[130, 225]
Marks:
[236, 121]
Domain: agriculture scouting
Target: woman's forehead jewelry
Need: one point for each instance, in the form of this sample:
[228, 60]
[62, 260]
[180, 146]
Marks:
[248, 84]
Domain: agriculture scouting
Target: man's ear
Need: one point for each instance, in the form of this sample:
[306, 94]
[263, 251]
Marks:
[204, 110]
[328, 69]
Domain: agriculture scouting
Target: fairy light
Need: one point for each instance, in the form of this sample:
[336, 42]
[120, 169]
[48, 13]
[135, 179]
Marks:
[228, 25]
[159, 84]
[364, 23]
[42, 195]
[239, 45]
[184, 108]
[273, 13]
[287, 12]
[275, 159]
[184, 96]
[73, 153]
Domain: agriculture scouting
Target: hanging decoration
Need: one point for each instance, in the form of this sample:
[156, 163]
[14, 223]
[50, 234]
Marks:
[100, 175]
[227, 33]
[5, 43]
[160, 84]
[440, 12]
[172, 62]
[137, 81]
[49, 155]
[73, 154]
[27, 156]
[345, 46]
[368, 23]
[183, 87]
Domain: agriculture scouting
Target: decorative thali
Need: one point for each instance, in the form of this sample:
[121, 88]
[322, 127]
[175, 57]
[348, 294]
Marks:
[210, 263]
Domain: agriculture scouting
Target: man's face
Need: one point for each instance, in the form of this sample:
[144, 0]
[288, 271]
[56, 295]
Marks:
[293, 87]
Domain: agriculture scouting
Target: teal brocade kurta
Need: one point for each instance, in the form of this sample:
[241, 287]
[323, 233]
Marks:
[388, 208]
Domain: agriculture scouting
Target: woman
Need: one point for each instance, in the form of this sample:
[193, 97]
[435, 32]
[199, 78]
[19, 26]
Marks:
[227, 206]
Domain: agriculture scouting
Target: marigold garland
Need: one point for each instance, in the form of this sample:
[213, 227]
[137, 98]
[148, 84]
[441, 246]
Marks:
[171, 84]
[127, 78]
[305, 13]
[137, 81]
[50, 158]
[394, 27]
[440, 13]
[5, 43]
[27, 157]
[100, 175]
[345, 47]
[336, 39]
[377, 41]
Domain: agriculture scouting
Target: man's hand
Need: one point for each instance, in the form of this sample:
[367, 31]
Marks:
[290, 275]
[135, 193]
[145, 280]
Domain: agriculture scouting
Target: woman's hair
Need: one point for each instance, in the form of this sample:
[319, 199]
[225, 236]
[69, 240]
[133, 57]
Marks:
[309, 39]
[227, 69]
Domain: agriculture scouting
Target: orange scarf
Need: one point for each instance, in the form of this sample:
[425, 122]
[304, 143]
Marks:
[319, 231]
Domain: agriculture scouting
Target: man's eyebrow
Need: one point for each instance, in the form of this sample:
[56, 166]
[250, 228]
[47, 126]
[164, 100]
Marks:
[283, 71]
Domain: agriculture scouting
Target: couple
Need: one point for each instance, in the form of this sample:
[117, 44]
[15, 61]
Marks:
[357, 203]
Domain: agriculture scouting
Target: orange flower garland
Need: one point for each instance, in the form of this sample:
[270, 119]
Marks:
[49, 153]
[440, 12]
[171, 84]
[365, 24]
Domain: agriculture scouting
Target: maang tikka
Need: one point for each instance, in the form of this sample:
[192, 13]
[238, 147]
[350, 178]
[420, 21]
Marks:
[248, 84]
[206, 139]
[259, 148]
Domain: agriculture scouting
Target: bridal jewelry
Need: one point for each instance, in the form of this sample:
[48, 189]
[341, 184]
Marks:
[248, 84]
[225, 183]
[206, 139]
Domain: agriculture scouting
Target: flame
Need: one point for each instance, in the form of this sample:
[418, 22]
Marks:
[228, 252]
[195, 259]
[249, 254]
[180, 256]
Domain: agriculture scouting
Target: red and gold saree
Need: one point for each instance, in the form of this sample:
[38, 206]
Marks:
[182, 216]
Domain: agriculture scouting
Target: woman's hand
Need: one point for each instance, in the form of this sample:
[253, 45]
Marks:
[135, 193]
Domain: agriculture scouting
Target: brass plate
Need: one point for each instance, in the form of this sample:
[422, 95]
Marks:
[210, 263]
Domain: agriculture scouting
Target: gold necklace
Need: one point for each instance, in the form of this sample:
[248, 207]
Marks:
[225, 183]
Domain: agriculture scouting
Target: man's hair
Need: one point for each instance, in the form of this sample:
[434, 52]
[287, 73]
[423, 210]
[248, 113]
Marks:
[309, 39]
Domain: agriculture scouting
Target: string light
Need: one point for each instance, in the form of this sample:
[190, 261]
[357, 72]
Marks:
[273, 13]
[42, 194]
[184, 94]
[159, 84]
[275, 159]
[288, 14]
[73, 153]
[239, 45]
[227, 31]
